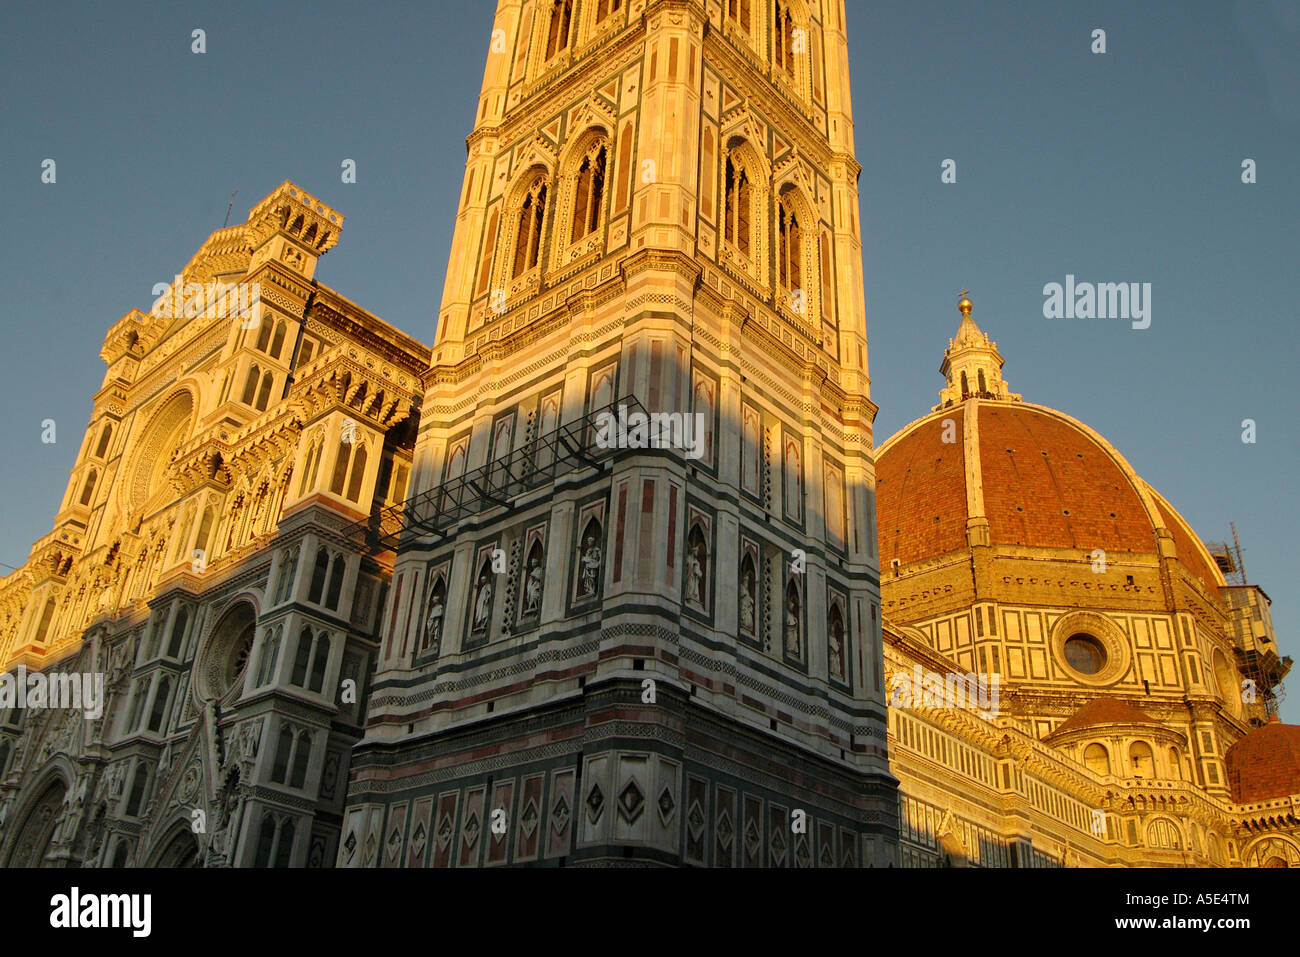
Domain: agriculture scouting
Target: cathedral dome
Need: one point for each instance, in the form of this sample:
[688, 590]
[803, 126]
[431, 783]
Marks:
[1036, 477]
[1265, 764]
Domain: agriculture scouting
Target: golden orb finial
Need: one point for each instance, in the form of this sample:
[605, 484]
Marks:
[964, 303]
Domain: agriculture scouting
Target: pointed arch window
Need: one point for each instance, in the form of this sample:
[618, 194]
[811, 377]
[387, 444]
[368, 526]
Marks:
[104, 436]
[43, 628]
[783, 29]
[320, 657]
[301, 755]
[335, 588]
[277, 341]
[309, 466]
[283, 749]
[489, 246]
[264, 393]
[789, 246]
[178, 634]
[135, 797]
[738, 12]
[205, 531]
[302, 659]
[264, 333]
[159, 712]
[589, 193]
[270, 658]
[250, 385]
[358, 473]
[605, 7]
[528, 232]
[341, 461]
[265, 842]
[318, 576]
[737, 213]
[557, 34]
[88, 489]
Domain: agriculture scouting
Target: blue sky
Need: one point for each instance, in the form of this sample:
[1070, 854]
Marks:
[1115, 167]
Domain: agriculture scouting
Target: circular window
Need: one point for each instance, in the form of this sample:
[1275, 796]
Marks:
[1085, 654]
[1090, 648]
[226, 654]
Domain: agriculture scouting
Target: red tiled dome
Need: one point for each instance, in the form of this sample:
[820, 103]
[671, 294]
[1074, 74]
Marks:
[1104, 711]
[1265, 764]
[1048, 481]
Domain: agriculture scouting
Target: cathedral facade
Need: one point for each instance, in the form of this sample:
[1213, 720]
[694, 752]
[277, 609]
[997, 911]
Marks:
[197, 570]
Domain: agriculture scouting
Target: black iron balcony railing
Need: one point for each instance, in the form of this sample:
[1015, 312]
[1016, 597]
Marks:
[428, 517]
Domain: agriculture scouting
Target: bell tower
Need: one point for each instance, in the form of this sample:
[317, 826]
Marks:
[635, 611]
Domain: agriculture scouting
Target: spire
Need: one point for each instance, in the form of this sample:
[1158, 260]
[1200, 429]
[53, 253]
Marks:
[972, 364]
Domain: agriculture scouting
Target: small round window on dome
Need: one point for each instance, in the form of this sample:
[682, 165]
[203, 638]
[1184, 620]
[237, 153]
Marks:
[1085, 654]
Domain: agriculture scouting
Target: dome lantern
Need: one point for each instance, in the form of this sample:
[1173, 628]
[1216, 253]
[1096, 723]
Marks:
[972, 364]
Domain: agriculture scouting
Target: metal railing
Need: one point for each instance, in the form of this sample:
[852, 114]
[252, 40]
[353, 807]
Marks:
[429, 516]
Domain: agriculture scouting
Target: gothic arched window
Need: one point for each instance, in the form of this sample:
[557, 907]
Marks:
[159, 712]
[340, 477]
[588, 194]
[489, 246]
[264, 393]
[88, 489]
[557, 35]
[333, 592]
[265, 842]
[284, 845]
[320, 657]
[283, 748]
[104, 436]
[136, 795]
[178, 634]
[738, 12]
[605, 7]
[302, 752]
[264, 332]
[528, 231]
[302, 659]
[250, 385]
[737, 212]
[277, 341]
[358, 473]
[783, 29]
[789, 248]
[43, 627]
[270, 658]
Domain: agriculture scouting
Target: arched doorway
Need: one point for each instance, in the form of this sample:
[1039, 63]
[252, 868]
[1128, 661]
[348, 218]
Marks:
[182, 850]
[33, 838]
